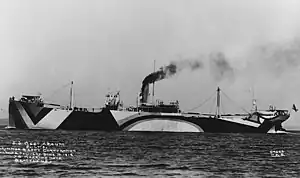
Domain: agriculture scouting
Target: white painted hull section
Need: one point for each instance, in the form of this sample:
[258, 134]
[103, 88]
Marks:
[241, 121]
[53, 119]
[25, 116]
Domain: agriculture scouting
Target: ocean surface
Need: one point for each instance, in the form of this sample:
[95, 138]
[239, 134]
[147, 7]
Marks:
[147, 154]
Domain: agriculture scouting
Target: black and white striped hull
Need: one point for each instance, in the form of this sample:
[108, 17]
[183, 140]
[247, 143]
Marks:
[201, 123]
[30, 116]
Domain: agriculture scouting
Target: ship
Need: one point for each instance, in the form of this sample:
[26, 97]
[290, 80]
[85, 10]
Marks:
[32, 112]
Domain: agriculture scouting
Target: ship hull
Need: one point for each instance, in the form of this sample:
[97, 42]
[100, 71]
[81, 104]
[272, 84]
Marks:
[200, 122]
[31, 116]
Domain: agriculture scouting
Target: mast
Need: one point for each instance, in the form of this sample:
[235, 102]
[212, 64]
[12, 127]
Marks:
[153, 102]
[254, 106]
[71, 95]
[218, 102]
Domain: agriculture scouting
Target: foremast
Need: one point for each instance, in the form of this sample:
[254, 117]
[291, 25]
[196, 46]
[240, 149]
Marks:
[218, 102]
[71, 96]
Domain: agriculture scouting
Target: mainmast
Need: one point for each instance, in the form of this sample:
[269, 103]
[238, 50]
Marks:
[218, 102]
[254, 105]
[71, 95]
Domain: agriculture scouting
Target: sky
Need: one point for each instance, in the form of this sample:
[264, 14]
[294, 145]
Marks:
[248, 48]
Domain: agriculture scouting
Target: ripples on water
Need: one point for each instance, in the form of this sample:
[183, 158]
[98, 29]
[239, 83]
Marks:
[158, 154]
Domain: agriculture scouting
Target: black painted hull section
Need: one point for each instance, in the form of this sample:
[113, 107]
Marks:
[15, 117]
[220, 126]
[79, 120]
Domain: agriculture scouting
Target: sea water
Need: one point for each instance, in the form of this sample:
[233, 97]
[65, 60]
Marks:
[37, 153]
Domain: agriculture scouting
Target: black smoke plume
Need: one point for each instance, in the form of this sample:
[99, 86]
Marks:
[220, 67]
[279, 58]
[167, 71]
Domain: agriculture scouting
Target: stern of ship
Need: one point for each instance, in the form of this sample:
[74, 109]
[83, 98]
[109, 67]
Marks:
[26, 112]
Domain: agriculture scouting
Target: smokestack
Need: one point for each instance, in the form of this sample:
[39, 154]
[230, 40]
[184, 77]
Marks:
[145, 93]
[153, 86]
[167, 72]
